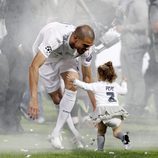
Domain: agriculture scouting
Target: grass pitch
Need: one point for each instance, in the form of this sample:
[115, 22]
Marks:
[33, 142]
[85, 154]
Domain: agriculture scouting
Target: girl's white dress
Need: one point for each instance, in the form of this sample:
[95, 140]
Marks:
[106, 95]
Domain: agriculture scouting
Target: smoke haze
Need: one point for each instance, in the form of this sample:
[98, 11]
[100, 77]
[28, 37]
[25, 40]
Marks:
[23, 21]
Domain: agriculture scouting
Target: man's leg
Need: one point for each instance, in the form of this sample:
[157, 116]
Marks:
[67, 102]
[77, 137]
[56, 97]
[65, 107]
[74, 114]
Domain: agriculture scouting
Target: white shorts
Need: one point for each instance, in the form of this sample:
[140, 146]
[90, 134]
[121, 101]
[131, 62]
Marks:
[114, 122]
[50, 72]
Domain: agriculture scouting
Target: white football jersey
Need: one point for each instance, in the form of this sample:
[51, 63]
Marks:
[53, 42]
[105, 93]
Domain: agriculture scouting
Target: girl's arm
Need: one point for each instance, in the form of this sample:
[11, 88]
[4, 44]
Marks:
[122, 89]
[83, 85]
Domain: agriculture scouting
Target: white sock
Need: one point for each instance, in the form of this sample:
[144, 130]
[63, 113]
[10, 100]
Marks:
[72, 127]
[66, 104]
[100, 142]
[120, 135]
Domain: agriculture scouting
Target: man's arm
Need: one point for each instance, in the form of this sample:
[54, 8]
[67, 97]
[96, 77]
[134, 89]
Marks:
[38, 60]
[87, 77]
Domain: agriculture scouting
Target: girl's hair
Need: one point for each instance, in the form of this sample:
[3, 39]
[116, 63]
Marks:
[106, 72]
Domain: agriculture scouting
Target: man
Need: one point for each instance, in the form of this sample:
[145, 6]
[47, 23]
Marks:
[151, 74]
[132, 23]
[57, 49]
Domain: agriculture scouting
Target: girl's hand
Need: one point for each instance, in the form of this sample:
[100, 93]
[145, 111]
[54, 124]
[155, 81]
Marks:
[70, 77]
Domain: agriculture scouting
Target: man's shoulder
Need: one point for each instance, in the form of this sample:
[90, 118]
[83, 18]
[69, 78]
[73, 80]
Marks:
[57, 30]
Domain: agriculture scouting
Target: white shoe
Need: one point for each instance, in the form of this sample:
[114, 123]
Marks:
[55, 142]
[78, 143]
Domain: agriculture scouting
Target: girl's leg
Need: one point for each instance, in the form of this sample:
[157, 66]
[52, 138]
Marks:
[122, 136]
[101, 136]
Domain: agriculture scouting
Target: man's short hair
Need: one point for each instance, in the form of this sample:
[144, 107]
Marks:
[84, 31]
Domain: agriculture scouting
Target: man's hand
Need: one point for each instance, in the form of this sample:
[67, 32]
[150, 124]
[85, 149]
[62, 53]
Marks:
[33, 111]
[37, 62]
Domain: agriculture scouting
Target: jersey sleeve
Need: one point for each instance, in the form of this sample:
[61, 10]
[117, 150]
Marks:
[83, 85]
[121, 89]
[48, 45]
[86, 58]
[38, 40]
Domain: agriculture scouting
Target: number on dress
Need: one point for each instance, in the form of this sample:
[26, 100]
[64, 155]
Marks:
[111, 97]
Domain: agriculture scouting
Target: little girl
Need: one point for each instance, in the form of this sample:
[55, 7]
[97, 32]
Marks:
[108, 113]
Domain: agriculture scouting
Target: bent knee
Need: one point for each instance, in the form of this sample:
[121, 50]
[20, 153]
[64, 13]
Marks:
[70, 86]
[101, 128]
[68, 80]
[56, 97]
[56, 101]
[114, 123]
